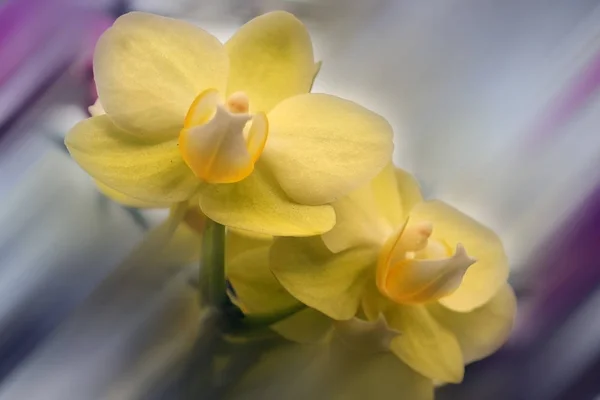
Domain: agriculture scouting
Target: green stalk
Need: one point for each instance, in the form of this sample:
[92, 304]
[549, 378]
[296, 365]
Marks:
[212, 265]
[198, 376]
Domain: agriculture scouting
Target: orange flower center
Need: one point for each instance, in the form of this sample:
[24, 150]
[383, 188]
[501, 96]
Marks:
[222, 142]
[414, 268]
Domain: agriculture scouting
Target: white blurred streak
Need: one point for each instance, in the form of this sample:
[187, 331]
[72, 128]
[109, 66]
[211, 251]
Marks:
[54, 228]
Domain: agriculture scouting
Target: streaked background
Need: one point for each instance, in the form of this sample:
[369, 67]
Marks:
[496, 109]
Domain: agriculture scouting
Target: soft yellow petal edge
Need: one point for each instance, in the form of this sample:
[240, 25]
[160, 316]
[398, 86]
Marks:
[425, 345]
[484, 330]
[322, 147]
[150, 173]
[258, 204]
[125, 200]
[149, 68]
[271, 59]
[331, 283]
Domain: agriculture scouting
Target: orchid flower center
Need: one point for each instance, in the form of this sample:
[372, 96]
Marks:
[414, 268]
[222, 142]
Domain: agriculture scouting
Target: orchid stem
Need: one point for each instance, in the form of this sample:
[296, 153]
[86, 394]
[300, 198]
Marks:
[212, 265]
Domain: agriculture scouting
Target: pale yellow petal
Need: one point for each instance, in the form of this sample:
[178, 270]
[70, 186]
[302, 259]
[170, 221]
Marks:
[258, 204]
[425, 345]
[389, 198]
[148, 69]
[484, 278]
[240, 241]
[409, 190]
[125, 200]
[373, 304]
[307, 326]
[361, 219]
[150, 173]
[383, 376]
[271, 59]
[322, 147]
[256, 289]
[331, 283]
[484, 330]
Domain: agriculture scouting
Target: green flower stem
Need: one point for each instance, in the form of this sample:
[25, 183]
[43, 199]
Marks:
[212, 265]
[224, 329]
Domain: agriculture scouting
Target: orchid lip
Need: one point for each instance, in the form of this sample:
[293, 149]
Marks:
[414, 268]
[220, 143]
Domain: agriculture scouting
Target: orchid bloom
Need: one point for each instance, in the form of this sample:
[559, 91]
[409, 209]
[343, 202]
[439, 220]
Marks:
[436, 277]
[231, 125]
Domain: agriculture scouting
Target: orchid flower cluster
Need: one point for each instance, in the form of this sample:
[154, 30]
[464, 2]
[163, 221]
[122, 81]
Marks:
[308, 226]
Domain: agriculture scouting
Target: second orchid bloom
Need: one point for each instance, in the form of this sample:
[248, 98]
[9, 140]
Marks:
[429, 282]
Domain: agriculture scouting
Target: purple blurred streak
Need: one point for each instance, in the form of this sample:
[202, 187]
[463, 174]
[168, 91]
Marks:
[570, 103]
[83, 65]
[17, 41]
[568, 272]
[39, 39]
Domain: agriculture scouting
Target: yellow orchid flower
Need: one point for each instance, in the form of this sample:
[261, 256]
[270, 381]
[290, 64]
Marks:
[233, 124]
[436, 276]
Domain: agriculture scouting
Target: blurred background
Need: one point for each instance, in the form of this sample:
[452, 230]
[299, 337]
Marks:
[496, 110]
